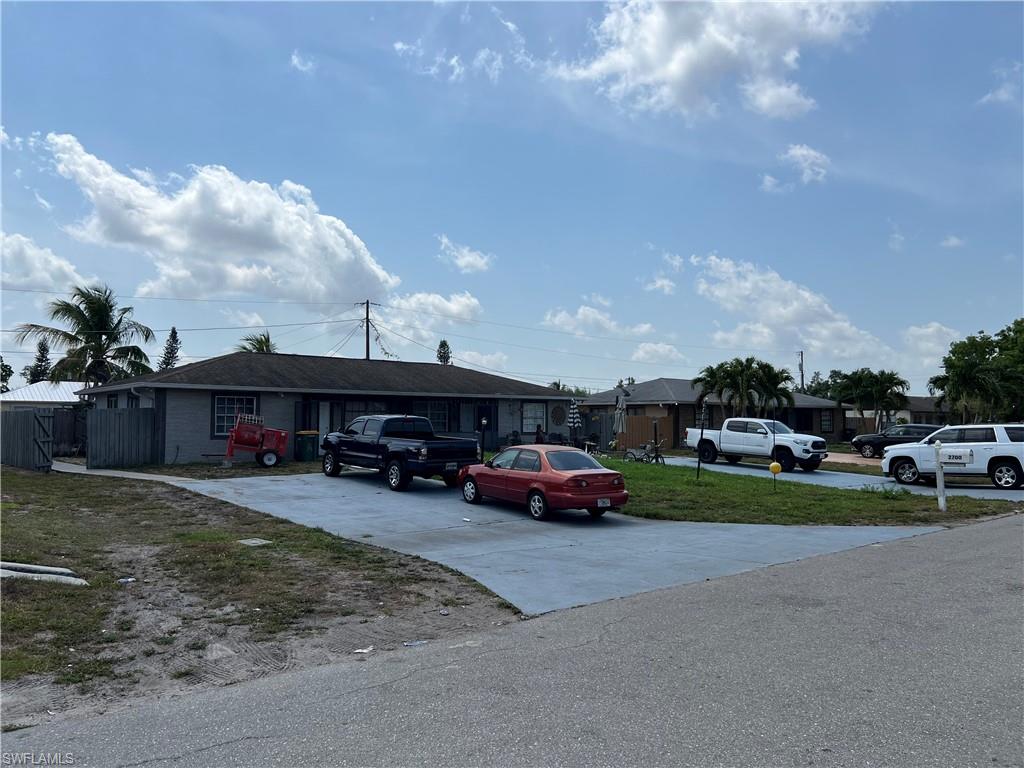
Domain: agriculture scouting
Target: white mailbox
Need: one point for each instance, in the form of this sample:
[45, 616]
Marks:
[956, 457]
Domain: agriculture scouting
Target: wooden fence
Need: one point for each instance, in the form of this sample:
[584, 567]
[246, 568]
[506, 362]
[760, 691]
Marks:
[69, 431]
[26, 439]
[639, 430]
[121, 437]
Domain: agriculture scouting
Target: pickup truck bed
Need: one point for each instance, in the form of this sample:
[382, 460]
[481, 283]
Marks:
[402, 447]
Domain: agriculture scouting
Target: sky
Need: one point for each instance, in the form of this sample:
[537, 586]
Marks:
[580, 192]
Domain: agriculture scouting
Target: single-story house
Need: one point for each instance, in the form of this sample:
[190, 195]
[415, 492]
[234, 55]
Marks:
[675, 403]
[196, 404]
[921, 409]
[43, 394]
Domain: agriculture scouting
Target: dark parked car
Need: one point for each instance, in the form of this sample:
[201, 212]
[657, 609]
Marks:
[402, 447]
[871, 446]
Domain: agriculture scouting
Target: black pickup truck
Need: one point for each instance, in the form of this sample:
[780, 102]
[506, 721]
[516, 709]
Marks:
[402, 447]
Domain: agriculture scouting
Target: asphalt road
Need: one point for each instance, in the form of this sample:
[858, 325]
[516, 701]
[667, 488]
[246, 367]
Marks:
[852, 480]
[903, 654]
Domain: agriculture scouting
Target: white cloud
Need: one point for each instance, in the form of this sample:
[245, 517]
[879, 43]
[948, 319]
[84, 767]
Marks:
[780, 311]
[497, 360]
[42, 202]
[927, 344]
[656, 352]
[589, 320]
[489, 63]
[674, 261]
[145, 175]
[520, 55]
[17, 173]
[661, 283]
[597, 298]
[242, 318]
[1008, 86]
[27, 265]
[420, 315]
[773, 186]
[952, 241]
[303, 64]
[896, 239]
[676, 56]
[5, 140]
[409, 49]
[464, 258]
[812, 164]
[776, 98]
[219, 234]
[458, 71]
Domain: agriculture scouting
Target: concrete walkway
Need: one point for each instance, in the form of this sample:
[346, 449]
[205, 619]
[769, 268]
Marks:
[850, 480]
[567, 561]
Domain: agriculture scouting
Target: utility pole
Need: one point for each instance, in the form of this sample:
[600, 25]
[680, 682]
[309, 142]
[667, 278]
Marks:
[366, 327]
[801, 355]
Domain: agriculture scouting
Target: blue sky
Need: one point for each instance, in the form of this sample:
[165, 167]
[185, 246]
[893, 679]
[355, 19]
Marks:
[638, 189]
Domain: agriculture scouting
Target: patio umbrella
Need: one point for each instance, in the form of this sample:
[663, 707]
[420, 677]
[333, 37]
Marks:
[619, 419]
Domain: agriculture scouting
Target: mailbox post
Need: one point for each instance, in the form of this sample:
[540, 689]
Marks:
[940, 477]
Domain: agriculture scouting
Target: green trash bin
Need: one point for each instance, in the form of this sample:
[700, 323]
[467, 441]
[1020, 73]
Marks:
[306, 447]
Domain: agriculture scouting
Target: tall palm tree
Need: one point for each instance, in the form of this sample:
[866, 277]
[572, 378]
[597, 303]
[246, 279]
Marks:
[98, 343]
[889, 392]
[856, 388]
[711, 381]
[740, 383]
[773, 387]
[257, 342]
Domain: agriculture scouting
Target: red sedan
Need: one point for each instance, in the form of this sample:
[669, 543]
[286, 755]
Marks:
[545, 477]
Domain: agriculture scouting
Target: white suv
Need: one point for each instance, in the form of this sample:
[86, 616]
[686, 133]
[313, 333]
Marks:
[996, 450]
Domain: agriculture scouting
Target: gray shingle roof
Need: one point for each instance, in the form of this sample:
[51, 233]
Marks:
[925, 404]
[669, 391]
[314, 374]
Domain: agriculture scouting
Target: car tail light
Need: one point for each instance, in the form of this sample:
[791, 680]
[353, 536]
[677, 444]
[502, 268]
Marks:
[617, 480]
[576, 482]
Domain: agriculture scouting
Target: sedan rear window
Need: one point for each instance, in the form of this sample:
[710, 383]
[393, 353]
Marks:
[569, 461]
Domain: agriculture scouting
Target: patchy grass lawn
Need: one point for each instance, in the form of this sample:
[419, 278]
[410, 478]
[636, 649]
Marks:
[204, 610]
[675, 493]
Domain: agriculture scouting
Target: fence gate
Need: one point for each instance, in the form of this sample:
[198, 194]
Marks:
[27, 439]
[121, 437]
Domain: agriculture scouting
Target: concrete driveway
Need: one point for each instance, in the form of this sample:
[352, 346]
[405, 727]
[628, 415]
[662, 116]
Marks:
[852, 480]
[539, 566]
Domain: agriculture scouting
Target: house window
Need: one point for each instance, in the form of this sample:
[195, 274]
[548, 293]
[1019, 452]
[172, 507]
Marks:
[826, 421]
[112, 400]
[226, 408]
[534, 414]
[133, 400]
[434, 410]
[356, 408]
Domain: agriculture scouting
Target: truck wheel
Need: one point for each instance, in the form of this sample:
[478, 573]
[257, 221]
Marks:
[785, 458]
[1006, 474]
[452, 481]
[707, 452]
[471, 491]
[267, 459]
[538, 505]
[396, 476]
[905, 471]
[331, 464]
[867, 451]
[733, 459]
[810, 466]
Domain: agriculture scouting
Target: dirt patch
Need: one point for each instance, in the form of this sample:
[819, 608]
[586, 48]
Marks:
[241, 466]
[204, 611]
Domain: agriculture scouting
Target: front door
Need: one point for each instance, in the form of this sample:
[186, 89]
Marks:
[950, 439]
[348, 446]
[488, 431]
[522, 475]
[491, 480]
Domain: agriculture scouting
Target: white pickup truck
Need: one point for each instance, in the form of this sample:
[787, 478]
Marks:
[996, 450]
[758, 437]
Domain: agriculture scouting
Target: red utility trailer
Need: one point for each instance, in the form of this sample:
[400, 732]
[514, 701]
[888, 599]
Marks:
[249, 434]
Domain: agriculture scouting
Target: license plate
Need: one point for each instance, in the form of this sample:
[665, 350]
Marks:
[452, 465]
[604, 502]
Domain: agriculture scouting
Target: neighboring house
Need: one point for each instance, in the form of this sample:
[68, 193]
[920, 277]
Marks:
[674, 402]
[196, 404]
[43, 394]
[921, 409]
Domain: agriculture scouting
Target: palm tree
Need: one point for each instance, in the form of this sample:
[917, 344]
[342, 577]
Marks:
[740, 389]
[889, 392]
[856, 388]
[773, 387]
[98, 344]
[711, 381]
[257, 342]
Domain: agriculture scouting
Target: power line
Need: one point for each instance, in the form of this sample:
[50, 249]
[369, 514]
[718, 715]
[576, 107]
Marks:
[219, 327]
